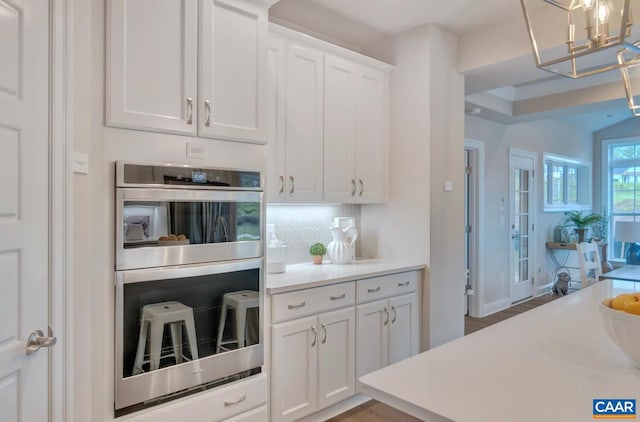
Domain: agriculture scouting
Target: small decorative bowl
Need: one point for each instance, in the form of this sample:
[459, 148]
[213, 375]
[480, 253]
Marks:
[624, 330]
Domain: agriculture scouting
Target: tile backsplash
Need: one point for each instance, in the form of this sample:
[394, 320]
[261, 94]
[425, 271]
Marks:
[299, 226]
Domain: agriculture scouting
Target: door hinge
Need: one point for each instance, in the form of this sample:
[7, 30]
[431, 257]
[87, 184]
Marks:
[533, 174]
[467, 170]
[532, 279]
[467, 229]
[533, 227]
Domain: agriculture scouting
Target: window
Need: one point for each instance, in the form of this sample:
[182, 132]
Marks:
[567, 183]
[621, 162]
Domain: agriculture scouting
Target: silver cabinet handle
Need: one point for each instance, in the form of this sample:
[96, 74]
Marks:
[376, 290]
[315, 335]
[353, 187]
[236, 401]
[361, 187]
[37, 340]
[324, 339]
[293, 185]
[298, 306]
[386, 321]
[406, 283]
[395, 314]
[281, 184]
[342, 296]
[189, 110]
[207, 110]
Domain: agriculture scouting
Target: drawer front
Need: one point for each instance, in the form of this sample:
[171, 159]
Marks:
[216, 405]
[305, 302]
[375, 288]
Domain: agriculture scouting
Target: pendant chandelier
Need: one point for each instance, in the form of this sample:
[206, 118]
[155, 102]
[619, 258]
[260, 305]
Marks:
[573, 38]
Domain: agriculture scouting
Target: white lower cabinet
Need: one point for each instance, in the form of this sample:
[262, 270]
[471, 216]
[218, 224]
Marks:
[387, 332]
[313, 363]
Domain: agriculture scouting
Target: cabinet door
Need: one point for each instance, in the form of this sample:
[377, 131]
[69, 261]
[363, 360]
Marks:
[275, 176]
[293, 378]
[152, 65]
[232, 88]
[339, 129]
[372, 136]
[336, 356]
[403, 327]
[303, 124]
[372, 320]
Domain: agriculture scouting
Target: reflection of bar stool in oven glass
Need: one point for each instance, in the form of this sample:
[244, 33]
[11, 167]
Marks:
[240, 301]
[154, 317]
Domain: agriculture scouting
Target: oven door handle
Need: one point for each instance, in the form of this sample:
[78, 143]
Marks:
[195, 194]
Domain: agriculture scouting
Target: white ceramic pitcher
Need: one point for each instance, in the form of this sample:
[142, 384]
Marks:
[340, 250]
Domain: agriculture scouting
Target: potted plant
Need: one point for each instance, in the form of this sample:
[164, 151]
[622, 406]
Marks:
[581, 223]
[317, 250]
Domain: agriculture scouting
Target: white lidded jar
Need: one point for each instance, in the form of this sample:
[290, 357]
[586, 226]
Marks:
[276, 252]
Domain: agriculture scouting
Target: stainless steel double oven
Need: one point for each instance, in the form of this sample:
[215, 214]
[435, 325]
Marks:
[187, 238]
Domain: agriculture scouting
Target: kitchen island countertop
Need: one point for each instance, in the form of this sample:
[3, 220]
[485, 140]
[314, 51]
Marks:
[547, 364]
[307, 275]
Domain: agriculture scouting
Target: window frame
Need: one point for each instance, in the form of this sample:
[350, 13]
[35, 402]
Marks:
[583, 188]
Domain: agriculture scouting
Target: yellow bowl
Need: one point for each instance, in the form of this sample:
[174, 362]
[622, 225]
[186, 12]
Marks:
[624, 330]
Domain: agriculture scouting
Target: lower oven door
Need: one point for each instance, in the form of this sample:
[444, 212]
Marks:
[178, 327]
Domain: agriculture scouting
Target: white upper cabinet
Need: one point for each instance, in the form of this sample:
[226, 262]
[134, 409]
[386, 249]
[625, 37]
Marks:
[372, 131]
[232, 70]
[154, 82]
[295, 123]
[152, 53]
[328, 118]
[355, 132]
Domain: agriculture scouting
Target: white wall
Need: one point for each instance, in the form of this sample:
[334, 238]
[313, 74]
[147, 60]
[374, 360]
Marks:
[538, 137]
[421, 222]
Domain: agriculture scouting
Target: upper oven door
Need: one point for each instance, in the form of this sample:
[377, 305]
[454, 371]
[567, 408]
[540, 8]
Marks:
[160, 227]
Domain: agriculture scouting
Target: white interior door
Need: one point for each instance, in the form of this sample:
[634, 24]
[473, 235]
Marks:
[24, 74]
[522, 164]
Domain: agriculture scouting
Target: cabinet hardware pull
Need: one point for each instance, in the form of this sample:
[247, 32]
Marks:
[386, 321]
[189, 110]
[395, 314]
[281, 184]
[293, 185]
[236, 401]
[353, 187]
[298, 306]
[324, 327]
[376, 290]
[315, 335]
[342, 296]
[361, 187]
[406, 283]
[207, 109]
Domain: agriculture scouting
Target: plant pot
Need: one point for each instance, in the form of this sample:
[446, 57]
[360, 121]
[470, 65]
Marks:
[581, 234]
[317, 259]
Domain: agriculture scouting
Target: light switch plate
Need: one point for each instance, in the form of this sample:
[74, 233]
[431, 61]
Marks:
[448, 186]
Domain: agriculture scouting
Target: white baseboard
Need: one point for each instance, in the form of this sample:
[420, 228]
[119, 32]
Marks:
[496, 306]
[542, 290]
[337, 409]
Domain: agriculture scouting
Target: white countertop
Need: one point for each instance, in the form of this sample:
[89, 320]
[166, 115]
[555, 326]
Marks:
[547, 364]
[302, 276]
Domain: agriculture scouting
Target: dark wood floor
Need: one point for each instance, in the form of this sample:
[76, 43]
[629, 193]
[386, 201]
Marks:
[374, 411]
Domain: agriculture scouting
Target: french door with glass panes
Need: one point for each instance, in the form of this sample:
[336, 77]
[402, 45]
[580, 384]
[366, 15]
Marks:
[522, 208]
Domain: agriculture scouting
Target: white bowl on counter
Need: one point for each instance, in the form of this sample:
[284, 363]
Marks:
[624, 330]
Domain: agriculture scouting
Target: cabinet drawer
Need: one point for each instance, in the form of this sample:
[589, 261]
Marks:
[376, 288]
[311, 301]
[216, 405]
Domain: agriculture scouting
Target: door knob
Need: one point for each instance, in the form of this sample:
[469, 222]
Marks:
[37, 340]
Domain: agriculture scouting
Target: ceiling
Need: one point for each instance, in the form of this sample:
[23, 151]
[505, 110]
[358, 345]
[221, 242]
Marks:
[357, 24]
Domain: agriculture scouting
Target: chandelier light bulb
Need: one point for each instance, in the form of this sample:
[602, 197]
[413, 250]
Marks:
[603, 13]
